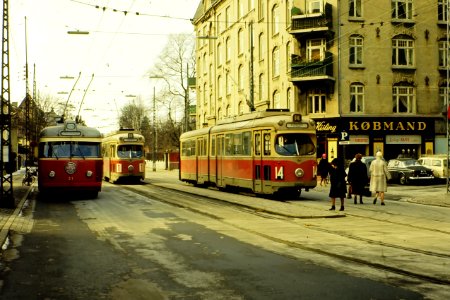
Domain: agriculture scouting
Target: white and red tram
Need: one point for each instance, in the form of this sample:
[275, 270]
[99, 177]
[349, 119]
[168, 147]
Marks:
[69, 159]
[267, 152]
[123, 156]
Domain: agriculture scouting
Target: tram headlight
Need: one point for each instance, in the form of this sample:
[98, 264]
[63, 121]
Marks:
[89, 173]
[299, 172]
[51, 174]
[130, 168]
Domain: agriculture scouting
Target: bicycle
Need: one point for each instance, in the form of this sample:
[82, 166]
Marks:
[29, 178]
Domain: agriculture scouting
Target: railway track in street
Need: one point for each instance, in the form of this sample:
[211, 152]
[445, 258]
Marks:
[408, 249]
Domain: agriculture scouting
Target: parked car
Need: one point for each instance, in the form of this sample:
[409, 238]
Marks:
[408, 170]
[437, 163]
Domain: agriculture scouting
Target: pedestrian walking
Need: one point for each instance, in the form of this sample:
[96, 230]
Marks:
[338, 186]
[379, 175]
[357, 177]
[323, 168]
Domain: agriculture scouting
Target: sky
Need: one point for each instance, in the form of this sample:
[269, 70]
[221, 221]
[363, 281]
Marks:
[112, 61]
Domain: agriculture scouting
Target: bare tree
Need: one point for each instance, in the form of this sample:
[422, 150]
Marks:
[175, 65]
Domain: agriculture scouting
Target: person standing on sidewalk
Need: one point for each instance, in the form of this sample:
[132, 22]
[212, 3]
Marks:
[323, 168]
[357, 177]
[379, 175]
[338, 186]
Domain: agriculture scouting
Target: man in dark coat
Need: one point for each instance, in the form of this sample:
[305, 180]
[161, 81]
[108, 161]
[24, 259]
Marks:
[357, 177]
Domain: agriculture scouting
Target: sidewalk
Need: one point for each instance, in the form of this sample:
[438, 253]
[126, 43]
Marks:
[9, 215]
[427, 195]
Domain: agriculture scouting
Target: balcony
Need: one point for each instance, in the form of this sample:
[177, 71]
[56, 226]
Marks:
[303, 70]
[313, 22]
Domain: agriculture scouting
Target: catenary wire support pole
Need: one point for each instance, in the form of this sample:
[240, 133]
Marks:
[154, 131]
[6, 158]
[28, 154]
[447, 10]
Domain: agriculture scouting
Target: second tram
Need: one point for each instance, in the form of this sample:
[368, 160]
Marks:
[123, 156]
[70, 159]
[271, 152]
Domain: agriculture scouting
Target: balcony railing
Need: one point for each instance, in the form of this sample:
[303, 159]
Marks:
[300, 68]
[314, 22]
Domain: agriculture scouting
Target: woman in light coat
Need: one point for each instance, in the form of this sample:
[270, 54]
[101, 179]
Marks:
[379, 175]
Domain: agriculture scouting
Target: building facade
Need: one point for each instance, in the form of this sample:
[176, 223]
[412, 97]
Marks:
[372, 74]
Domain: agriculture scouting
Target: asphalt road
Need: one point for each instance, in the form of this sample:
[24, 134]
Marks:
[129, 245]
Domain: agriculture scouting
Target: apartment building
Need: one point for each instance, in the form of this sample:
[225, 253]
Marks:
[372, 74]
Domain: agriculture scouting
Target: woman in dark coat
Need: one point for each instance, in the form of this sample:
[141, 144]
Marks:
[357, 177]
[338, 187]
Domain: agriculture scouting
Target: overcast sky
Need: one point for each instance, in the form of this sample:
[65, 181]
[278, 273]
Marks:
[119, 49]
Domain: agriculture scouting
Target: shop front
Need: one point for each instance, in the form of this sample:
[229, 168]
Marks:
[401, 136]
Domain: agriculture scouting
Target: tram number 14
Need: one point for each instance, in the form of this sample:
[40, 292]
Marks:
[279, 171]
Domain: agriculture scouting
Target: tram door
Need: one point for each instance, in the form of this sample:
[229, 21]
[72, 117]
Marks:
[257, 162]
[219, 160]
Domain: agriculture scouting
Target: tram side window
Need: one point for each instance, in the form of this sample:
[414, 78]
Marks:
[266, 143]
[188, 148]
[237, 144]
[213, 146]
[246, 142]
[228, 144]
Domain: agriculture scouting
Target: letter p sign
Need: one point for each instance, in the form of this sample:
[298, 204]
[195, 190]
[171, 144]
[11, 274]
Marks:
[344, 136]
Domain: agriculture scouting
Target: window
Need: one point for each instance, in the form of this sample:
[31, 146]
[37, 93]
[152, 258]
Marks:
[240, 41]
[261, 8]
[241, 78]
[288, 98]
[240, 108]
[403, 52]
[355, 9]
[219, 23]
[356, 97]
[442, 99]
[316, 50]
[275, 20]
[288, 56]
[219, 54]
[316, 102]
[227, 17]
[219, 86]
[403, 99]
[261, 47]
[276, 100]
[402, 9]
[443, 54]
[442, 10]
[240, 5]
[228, 50]
[276, 62]
[289, 6]
[314, 6]
[356, 50]
[261, 87]
[228, 83]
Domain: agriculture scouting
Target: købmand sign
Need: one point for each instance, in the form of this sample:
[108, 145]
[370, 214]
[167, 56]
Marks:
[387, 125]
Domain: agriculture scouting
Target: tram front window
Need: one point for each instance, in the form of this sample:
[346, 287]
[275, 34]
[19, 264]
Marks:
[69, 149]
[294, 144]
[130, 151]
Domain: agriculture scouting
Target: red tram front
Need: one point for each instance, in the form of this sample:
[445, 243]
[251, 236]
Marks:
[123, 156]
[70, 159]
[269, 152]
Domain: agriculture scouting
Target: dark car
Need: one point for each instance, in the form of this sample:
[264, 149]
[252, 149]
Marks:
[408, 170]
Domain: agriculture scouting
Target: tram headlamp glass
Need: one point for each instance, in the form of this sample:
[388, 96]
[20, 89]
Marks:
[89, 173]
[299, 172]
[130, 168]
[51, 174]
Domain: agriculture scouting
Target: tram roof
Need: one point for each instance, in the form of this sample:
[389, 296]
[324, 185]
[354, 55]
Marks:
[268, 118]
[70, 129]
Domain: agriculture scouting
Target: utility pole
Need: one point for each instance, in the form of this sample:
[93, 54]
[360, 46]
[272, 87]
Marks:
[6, 157]
[186, 101]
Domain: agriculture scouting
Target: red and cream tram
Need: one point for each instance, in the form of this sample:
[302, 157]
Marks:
[271, 152]
[123, 156]
[70, 159]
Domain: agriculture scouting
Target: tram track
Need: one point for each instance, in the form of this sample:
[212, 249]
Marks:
[189, 200]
